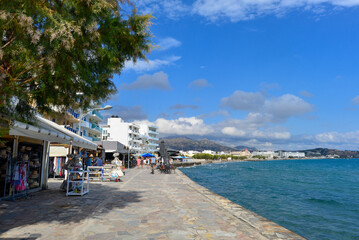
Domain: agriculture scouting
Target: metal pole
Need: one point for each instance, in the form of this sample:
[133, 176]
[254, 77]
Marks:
[128, 159]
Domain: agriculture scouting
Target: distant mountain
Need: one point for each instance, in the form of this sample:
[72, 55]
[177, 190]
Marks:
[187, 144]
[241, 148]
[317, 152]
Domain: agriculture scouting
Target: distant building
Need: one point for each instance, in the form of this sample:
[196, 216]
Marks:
[266, 154]
[209, 152]
[189, 153]
[244, 153]
[283, 154]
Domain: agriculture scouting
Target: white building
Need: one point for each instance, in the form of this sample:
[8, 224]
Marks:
[266, 154]
[149, 136]
[209, 152]
[282, 154]
[126, 133]
[140, 138]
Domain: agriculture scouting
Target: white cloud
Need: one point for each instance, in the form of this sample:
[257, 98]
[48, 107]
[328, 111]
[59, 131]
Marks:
[355, 100]
[275, 109]
[183, 126]
[126, 113]
[150, 65]
[238, 10]
[287, 106]
[183, 106]
[305, 93]
[158, 80]
[247, 101]
[167, 43]
[173, 9]
[336, 137]
[199, 83]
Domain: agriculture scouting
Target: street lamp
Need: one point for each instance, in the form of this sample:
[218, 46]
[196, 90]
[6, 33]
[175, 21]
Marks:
[107, 107]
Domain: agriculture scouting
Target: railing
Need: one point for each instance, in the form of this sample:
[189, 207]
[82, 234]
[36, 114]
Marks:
[152, 132]
[73, 113]
[98, 114]
[94, 126]
[70, 129]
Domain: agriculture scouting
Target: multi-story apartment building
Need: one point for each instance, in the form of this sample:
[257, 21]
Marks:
[140, 138]
[89, 124]
[149, 136]
[126, 133]
[90, 128]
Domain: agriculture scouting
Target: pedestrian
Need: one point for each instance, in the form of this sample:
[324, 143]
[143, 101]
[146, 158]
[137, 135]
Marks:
[153, 164]
[99, 162]
[138, 162]
[141, 162]
[89, 161]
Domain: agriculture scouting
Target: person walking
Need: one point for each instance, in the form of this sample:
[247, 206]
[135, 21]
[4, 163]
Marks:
[153, 164]
[141, 162]
[138, 162]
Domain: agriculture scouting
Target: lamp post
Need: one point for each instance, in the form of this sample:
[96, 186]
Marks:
[107, 107]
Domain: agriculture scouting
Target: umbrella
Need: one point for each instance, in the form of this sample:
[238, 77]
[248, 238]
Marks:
[147, 155]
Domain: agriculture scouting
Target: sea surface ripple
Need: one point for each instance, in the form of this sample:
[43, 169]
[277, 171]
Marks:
[317, 199]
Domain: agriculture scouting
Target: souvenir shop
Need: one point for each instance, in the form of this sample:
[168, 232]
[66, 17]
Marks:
[24, 156]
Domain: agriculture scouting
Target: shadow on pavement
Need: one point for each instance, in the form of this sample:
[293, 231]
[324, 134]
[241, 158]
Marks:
[53, 206]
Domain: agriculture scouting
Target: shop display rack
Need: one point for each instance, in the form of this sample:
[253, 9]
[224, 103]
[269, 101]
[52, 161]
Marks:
[77, 183]
[95, 173]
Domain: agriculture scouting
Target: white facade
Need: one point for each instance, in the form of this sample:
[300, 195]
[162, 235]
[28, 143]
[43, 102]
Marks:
[126, 133]
[291, 154]
[209, 152]
[149, 137]
[139, 138]
[267, 154]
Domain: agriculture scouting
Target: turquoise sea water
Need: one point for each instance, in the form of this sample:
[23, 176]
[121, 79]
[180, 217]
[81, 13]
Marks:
[317, 199]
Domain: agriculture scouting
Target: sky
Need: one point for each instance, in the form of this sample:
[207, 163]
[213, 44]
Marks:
[271, 74]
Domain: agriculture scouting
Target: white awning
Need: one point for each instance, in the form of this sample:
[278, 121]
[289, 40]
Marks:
[77, 140]
[50, 131]
[27, 130]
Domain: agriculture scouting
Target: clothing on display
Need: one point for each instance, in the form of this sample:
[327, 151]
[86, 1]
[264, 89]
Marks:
[58, 166]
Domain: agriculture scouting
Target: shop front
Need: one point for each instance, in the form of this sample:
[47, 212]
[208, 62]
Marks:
[24, 155]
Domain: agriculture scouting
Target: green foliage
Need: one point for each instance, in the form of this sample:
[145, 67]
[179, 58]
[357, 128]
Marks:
[259, 157]
[50, 50]
[217, 157]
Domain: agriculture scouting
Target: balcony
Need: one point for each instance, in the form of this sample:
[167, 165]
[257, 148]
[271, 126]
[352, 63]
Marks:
[152, 132]
[96, 128]
[70, 128]
[73, 113]
[95, 116]
[153, 138]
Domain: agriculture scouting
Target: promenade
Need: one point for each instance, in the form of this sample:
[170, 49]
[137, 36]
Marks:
[142, 206]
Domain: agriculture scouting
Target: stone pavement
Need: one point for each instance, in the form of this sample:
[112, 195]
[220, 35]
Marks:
[142, 206]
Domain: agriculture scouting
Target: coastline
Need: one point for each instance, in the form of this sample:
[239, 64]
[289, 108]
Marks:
[265, 227]
[209, 161]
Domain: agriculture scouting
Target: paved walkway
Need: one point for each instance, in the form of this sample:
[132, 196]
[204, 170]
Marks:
[142, 206]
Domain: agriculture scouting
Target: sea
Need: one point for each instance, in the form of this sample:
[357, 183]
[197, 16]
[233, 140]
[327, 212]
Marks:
[315, 198]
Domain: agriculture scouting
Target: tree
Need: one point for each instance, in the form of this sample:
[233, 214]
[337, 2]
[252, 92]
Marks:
[50, 50]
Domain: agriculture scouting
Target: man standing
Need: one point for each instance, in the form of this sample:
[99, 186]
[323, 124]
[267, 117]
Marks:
[153, 164]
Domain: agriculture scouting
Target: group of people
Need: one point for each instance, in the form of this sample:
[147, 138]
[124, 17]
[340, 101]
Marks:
[151, 162]
[91, 161]
[145, 161]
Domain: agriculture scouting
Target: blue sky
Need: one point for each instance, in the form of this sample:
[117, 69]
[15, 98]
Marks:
[273, 74]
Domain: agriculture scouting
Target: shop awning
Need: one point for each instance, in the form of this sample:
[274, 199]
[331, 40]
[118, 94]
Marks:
[112, 146]
[50, 131]
[77, 140]
[27, 130]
